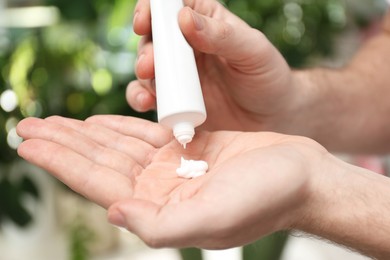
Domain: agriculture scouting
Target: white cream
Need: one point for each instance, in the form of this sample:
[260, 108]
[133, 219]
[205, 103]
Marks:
[191, 168]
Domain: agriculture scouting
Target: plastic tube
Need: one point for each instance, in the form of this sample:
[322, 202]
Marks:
[180, 103]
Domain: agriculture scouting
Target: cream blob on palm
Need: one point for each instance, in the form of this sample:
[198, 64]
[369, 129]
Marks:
[191, 168]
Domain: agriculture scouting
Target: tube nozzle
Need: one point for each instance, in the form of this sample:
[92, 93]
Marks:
[184, 132]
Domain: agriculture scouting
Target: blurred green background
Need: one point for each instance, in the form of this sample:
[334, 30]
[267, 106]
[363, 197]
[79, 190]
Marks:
[74, 58]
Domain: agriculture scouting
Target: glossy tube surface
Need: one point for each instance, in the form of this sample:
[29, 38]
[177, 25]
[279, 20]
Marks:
[180, 104]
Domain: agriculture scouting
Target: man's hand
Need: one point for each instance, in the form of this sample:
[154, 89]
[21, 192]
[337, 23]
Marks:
[257, 183]
[245, 81]
[254, 182]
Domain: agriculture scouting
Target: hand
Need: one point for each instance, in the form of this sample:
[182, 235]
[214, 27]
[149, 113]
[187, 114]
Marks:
[246, 82]
[257, 183]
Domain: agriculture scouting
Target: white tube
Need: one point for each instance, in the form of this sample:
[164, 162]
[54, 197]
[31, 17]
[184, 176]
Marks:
[180, 104]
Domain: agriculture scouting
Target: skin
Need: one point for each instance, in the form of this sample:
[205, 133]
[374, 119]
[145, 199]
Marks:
[257, 183]
[256, 90]
[118, 165]
[246, 81]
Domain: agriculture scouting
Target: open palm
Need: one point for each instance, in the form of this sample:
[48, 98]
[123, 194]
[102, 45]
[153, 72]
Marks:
[128, 165]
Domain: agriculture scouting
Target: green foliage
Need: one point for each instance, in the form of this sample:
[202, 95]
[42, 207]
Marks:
[81, 237]
[300, 29]
[191, 254]
[11, 208]
[81, 66]
[75, 68]
[270, 247]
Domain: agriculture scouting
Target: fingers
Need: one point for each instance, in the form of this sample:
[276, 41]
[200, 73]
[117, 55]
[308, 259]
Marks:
[145, 63]
[91, 180]
[142, 21]
[211, 29]
[34, 128]
[219, 37]
[150, 132]
[163, 226]
[138, 150]
[141, 95]
[142, 17]
[205, 7]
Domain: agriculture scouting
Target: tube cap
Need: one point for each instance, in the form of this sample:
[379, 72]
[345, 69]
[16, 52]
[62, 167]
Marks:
[183, 132]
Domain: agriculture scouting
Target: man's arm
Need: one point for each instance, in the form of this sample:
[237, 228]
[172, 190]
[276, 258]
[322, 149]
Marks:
[257, 183]
[348, 109]
[350, 205]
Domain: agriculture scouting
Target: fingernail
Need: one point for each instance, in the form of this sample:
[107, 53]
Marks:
[140, 57]
[135, 17]
[198, 21]
[140, 98]
[117, 219]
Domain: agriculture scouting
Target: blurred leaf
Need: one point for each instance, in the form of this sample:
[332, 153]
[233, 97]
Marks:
[299, 29]
[54, 69]
[29, 187]
[10, 204]
[269, 248]
[80, 236]
[122, 13]
[191, 254]
[75, 9]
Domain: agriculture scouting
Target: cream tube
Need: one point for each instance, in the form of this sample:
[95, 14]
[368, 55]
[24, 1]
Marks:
[180, 104]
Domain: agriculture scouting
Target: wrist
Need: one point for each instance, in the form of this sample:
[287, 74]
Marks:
[324, 179]
[319, 107]
[347, 205]
[314, 163]
[298, 117]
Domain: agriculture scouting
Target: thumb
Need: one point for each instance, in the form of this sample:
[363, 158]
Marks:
[135, 215]
[151, 223]
[173, 225]
[238, 43]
